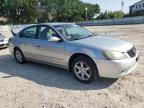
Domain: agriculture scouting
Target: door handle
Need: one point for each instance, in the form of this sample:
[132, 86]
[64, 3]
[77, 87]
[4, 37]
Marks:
[27, 44]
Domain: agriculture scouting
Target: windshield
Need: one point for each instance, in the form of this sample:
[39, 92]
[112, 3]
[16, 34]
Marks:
[73, 32]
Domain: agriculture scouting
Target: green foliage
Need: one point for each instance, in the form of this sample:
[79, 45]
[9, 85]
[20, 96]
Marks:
[20, 11]
[31, 11]
[74, 10]
[111, 15]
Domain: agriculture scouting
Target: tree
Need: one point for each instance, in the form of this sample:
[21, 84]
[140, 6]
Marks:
[31, 11]
[20, 11]
[74, 10]
[111, 15]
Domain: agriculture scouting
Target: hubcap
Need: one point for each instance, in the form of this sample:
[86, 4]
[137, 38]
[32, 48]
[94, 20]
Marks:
[18, 56]
[82, 71]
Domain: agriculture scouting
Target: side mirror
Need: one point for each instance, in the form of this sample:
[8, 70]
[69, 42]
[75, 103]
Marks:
[54, 39]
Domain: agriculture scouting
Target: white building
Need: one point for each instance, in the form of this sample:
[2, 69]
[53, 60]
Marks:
[137, 9]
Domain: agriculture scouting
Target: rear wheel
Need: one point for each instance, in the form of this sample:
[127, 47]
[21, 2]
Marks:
[19, 56]
[84, 69]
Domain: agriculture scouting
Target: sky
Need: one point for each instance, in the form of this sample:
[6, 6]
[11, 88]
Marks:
[112, 5]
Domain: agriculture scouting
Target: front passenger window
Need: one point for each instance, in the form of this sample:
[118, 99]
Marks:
[45, 33]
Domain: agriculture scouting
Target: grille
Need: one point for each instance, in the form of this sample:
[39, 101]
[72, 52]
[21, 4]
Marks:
[132, 52]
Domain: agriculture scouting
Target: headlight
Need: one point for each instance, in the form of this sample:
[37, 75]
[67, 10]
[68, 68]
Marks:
[114, 55]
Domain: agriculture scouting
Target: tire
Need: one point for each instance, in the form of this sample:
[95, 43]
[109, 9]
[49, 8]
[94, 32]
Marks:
[19, 56]
[84, 69]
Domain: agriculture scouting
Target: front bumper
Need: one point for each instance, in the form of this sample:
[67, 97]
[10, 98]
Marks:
[116, 68]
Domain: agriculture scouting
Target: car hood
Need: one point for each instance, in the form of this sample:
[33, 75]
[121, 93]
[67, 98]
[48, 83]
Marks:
[105, 43]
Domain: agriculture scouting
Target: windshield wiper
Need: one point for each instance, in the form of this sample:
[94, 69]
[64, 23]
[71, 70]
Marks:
[87, 36]
[77, 38]
[94, 34]
[81, 37]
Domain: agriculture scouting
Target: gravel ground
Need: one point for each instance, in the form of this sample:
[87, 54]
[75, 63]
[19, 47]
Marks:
[34, 85]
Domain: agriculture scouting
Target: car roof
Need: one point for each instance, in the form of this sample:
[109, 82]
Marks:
[50, 24]
[56, 23]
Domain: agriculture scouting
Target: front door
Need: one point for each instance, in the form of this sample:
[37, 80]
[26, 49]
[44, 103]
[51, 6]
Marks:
[49, 51]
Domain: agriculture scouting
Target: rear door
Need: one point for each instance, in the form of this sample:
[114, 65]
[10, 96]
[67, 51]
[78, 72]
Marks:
[27, 41]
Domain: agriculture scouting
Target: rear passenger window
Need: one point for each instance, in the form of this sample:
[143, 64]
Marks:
[29, 33]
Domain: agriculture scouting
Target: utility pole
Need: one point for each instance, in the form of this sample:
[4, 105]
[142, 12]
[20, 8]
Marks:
[86, 9]
[122, 6]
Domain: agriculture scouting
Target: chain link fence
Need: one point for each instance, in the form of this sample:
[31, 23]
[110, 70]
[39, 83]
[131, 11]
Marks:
[122, 21]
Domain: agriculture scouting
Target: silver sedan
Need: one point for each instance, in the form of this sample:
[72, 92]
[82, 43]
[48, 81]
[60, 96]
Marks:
[74, 48]
[3, 41]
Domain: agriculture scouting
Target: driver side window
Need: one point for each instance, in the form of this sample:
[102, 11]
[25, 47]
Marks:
[45, 33]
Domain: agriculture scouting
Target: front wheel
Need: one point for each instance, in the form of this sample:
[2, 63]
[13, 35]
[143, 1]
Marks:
[19, 56]
[84, 69]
